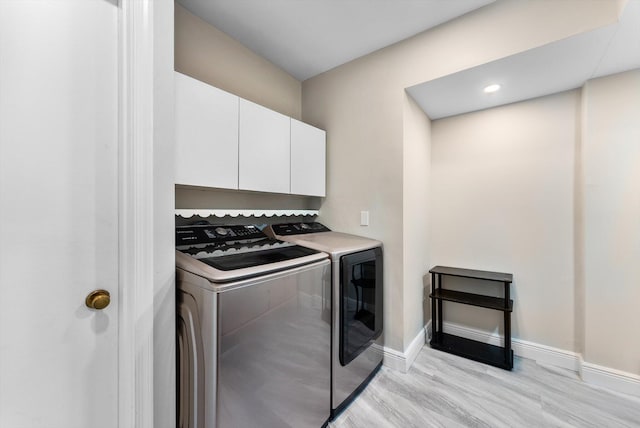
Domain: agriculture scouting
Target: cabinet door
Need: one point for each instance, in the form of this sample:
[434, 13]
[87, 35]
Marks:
[206, 135]
[308, 145]
[264, 149]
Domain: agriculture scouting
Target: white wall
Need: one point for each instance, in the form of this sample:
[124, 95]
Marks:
[610, 155]
[361, 111]
[502, 199]
[360, 104]
[549, 189]
[416, 201]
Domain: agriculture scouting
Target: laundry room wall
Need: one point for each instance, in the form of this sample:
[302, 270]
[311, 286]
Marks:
[549, 189]
[416, 213]
[207, 54]
[379, 152]
[360, 104]
[503, 198]
[610, 226]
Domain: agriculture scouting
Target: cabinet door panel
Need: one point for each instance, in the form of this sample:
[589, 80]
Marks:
[264, 149]
[308, 145]
[206, 135]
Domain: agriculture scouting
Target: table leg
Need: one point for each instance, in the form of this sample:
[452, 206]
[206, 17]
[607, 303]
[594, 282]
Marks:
[441, 326]
[507, 327]
[434, 327]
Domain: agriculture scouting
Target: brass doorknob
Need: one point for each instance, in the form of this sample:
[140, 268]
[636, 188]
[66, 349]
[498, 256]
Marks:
[98, 299]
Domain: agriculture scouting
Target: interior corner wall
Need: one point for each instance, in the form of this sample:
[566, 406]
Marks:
[578, 236]
[360, 105]
[415, 211]
[502, 188]
[362, 114]
[610, 156]
[207, 54]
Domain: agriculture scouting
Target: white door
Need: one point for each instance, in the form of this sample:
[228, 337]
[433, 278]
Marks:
[58, 213]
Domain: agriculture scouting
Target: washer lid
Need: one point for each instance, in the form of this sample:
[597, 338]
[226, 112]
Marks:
[224, 253]
[228, 262]
[234, 267]
[334, 243]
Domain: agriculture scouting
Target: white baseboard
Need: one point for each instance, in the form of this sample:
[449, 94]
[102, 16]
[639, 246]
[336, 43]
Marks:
[414, 348]
[605, 377]
[522, 348]
[615, 380]
[393, 359]
[402, 361]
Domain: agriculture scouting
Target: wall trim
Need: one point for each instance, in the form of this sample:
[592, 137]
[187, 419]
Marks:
[135, 214]
[604, 377]
[615, 380]
[600, 376]
[522, 348]
[393, 359]
[402, 361]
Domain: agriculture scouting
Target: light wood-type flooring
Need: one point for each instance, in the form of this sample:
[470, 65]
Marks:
[442, 390]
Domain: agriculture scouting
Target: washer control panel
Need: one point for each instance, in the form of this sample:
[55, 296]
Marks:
[285, 229]
[208, 234]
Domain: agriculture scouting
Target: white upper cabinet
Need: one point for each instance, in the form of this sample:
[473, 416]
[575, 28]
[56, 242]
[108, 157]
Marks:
[308, 145]
[206, 134]
[228, 142]
[264, 149]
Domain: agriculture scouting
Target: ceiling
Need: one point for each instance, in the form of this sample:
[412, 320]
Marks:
[555, 67]
[308, 37]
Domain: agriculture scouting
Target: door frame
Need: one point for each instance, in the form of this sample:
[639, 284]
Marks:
[135, 213]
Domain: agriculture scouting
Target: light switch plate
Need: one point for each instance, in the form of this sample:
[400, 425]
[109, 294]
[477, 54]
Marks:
[364, 218]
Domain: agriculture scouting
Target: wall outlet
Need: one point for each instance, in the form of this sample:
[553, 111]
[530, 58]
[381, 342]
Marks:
[364, 218]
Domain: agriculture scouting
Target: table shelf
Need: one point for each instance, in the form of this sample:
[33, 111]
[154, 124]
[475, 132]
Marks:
[478, 351]
[472, 273]
[473, 350]
[496, 303]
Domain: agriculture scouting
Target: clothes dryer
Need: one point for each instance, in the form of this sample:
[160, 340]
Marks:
[356, 310]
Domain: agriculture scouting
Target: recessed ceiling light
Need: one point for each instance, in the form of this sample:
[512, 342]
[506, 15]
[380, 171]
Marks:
[492, 88]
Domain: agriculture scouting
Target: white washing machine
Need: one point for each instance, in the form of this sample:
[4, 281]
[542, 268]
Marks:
[252, 330]
[356, 296]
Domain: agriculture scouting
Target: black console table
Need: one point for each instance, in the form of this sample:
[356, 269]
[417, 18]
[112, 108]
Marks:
[485, 353]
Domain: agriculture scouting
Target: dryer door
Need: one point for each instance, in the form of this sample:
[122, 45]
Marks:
[360, 302]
